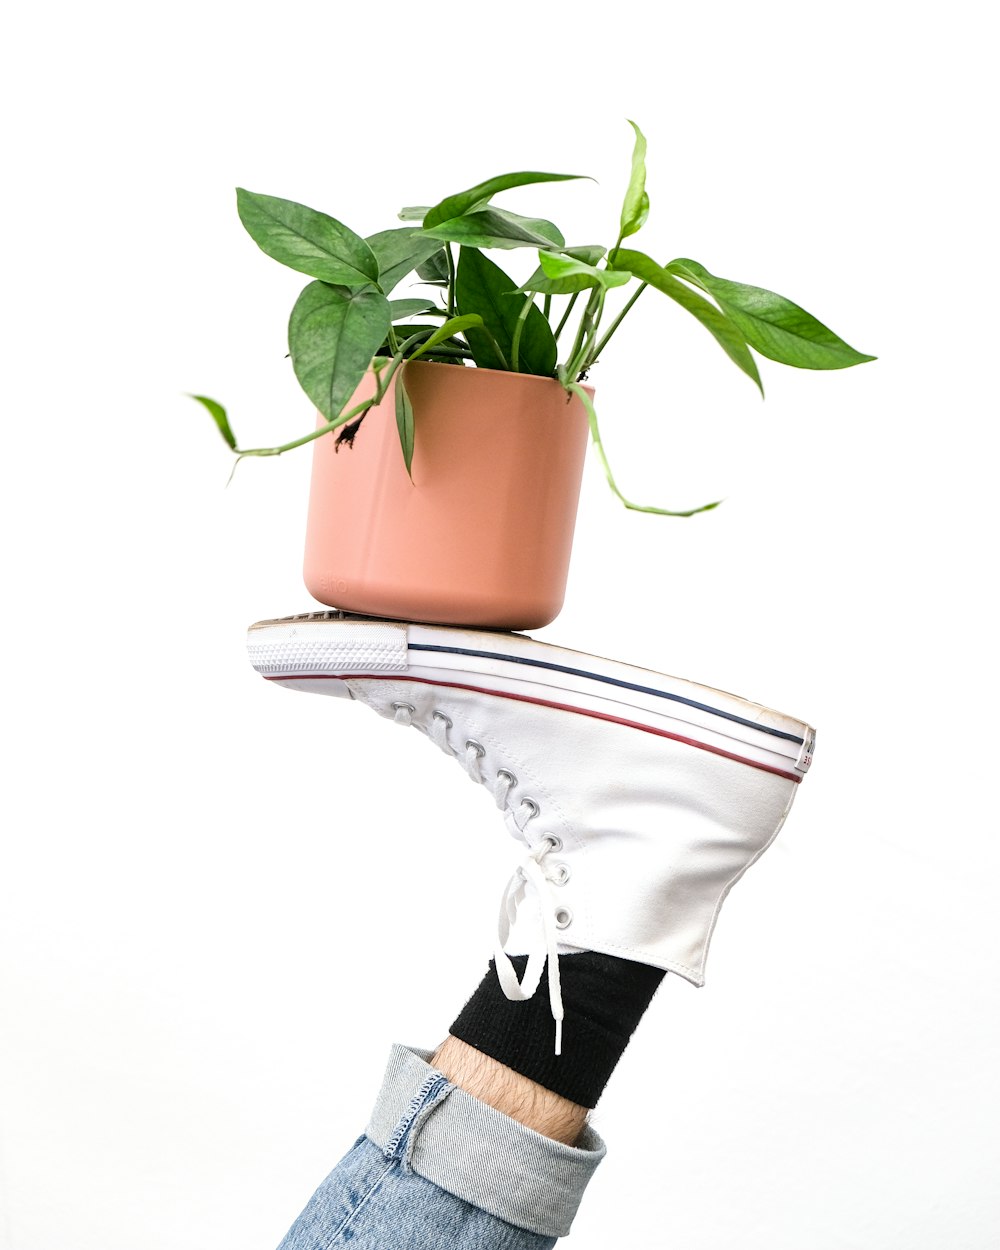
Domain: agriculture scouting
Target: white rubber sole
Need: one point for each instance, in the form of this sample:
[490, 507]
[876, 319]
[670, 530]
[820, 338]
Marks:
[319, 651]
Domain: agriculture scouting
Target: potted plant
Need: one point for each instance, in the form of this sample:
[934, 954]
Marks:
[452, 425]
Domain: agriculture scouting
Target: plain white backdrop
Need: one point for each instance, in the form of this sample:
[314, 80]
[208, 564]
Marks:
[221, 902]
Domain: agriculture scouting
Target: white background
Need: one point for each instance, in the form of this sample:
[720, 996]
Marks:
[222, 902]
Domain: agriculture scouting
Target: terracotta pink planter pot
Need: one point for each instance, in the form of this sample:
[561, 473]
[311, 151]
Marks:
[483, 533]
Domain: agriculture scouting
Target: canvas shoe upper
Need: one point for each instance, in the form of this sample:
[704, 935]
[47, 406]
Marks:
[640, 798]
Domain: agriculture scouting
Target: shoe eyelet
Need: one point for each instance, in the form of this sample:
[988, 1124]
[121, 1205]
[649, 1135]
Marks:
[532, 806]
[508, 776]
[563, 918]
[472, 745]
[398, 707]
[560, 875]
[555, 843]
[441, 717]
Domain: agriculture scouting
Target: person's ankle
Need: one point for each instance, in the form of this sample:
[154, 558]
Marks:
[507, 1091]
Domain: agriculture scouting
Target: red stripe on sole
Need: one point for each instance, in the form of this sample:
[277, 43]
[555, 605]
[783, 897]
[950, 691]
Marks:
[562, 707]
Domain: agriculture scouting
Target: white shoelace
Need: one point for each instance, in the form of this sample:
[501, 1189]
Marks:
[530, 872]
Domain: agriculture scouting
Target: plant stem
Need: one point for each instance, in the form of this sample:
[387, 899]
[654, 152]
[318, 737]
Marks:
[576, 389]
[587, 357]
[382, 379]
[335, 424]
[516, 340]
[393, 342]
[546, 306]
[584, 353]
[496, 348]
[565, 316]
[451, 279]
[577, 361]
[460, 353]
[577, 347]
[617, 322]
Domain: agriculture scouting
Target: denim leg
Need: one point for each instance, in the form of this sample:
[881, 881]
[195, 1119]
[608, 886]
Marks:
[437, 1168]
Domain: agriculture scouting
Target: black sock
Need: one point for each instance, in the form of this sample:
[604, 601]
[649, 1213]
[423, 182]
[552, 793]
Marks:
[603, 999]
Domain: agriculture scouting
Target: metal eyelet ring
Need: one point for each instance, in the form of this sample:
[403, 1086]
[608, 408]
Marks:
[508, 775]
[441, 716]
[398, 707]
[561, 874]
[530, 803]
[472, 745]
[555, 843]
[564, 918]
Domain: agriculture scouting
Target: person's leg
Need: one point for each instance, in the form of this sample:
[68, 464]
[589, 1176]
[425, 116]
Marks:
[517, 1096]
[439, 1167]
[514, 1191]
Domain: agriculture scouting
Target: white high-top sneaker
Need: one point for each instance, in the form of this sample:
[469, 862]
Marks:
[641, 798]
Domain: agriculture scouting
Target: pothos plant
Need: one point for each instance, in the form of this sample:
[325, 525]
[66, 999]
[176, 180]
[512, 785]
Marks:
[555, 324]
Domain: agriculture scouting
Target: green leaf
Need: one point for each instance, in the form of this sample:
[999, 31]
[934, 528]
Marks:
[404, 422]
[554, 266]
[219, 417]
[581, 279]
[595, 435]
[411, 328]
[416, 212]
[726, 333]
[572, 283]
[483, 288]
[635, 209]
[415, 335]
[775, 326]
[541, 285]
[435, 268]
[495, 227]
[305, 240]
[589, 253]
[333, 333]
[480, 195]
[453, 326]
[398, 252]
[400, 308]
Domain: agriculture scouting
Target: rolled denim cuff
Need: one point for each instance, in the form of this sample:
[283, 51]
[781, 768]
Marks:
[477, 1153]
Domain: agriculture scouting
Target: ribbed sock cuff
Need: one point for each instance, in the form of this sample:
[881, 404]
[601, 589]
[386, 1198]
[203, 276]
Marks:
[603, 997]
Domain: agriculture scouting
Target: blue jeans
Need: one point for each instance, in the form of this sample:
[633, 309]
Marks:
[438, 1168]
